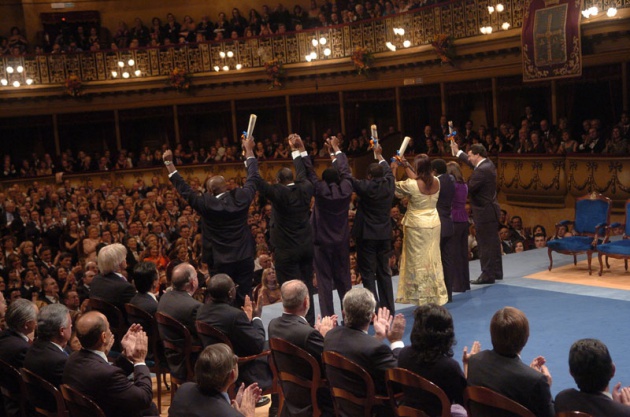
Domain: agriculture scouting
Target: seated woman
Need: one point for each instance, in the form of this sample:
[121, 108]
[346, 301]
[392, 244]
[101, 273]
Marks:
[270, 290]
[88, 245]
[431, 356]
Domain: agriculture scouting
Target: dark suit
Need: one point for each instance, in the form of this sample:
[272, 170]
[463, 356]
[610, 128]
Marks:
[247, 338]
[183, 308]
[145, 302]
[290, 231]
[482, 189]
[114, 289]
[226, 235]
[447, 244]
[512, 378]
[47, 361]
[329, 221]
[372, 230]
[296, 330]
[597, 404]
[13, 348]
[108, 385]
[189, 401]
[371, 354]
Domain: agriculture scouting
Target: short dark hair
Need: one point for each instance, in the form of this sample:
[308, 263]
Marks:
[509, 331]
[478, 149]
[331, 175]
[433, 333]
[219, 287]
[590, 365]
[439, 166]
[213, 367]
[144, 275]
[284, 175]
[375, 170]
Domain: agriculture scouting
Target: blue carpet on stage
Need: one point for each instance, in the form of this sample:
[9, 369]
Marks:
[556, 320]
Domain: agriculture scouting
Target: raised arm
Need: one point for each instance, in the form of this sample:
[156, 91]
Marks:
[253, 175]
[195, 200]
[298, 153]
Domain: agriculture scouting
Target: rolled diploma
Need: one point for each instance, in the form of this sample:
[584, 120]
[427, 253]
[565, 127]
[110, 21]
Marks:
[403, 146]
[375, 138]
[250, 127]
[450, 127]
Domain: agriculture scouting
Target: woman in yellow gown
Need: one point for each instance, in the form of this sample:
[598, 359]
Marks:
[421, 279]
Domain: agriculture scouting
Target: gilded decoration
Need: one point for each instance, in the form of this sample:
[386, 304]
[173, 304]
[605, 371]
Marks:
[531, 176]
[609, 176]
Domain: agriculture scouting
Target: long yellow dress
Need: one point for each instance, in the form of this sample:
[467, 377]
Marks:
[421, 278]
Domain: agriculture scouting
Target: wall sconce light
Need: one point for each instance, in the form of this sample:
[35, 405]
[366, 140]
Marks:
[126, 69]
[16, 77]
[398, 41]
[319, 45]
[594, 11]
[228, 62]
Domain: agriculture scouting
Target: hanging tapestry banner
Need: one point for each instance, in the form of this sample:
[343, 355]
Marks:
[550, 40]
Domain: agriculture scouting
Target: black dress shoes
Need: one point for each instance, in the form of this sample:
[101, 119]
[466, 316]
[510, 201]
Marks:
[480, 281]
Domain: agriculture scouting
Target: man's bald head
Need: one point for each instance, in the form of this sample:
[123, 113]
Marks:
[294, 293]
[90, 327]
[183, 274]
[216, 185]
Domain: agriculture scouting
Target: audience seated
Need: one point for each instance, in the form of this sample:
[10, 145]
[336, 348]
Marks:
[592, 369]
[502, 370]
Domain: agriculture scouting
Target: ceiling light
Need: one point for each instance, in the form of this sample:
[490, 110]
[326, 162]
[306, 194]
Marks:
[29, 81]
[16, 83]
[230, 54]
[239, 66]
[505, 26]
[4, 82]
[500, 8]
[322, 41]
[216, 68]
[593, 11]
[137, 72]
[121, 64]
[20, 69]
[327, 52]
[226, 68]
[490, 9]
[10, 70]
[308, 58]
[314, 42]
[125, 74]
[406, 44]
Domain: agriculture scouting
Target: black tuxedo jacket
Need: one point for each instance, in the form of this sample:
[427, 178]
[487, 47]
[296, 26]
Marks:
[145, 302]
[183, 308]
[598, 404]
[512, 378]
[189, 401]
[329, 219]
[113, 289]
[296, 330]
[224, 228]
[289, 226]
[47, 361]
[13, 348]
[372, 220]
[108, 385]
[482, 189]
[366, 351]
[445, 203]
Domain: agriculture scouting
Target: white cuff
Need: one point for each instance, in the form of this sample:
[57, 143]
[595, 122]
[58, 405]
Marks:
[295, 154]
[172, 173]
[303, 154]
[338, 152]
[459, 153]
[139, 363]
[396, 345]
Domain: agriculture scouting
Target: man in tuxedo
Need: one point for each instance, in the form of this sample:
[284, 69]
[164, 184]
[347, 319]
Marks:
[444, 204]
[180, 305]
[224, 213]
[21, 322]
[372, 229]
[502, 370]
[215, 371]
[47, 357]
[482, 189]
[592, 369]
[293, 328]
[329, 221]
[352, 341]
[111, 285]
[145, 276]
[290, 231]
[89, 372]
[243, 327]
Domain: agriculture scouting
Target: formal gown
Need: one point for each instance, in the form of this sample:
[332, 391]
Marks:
[421, 278]
[461, 278]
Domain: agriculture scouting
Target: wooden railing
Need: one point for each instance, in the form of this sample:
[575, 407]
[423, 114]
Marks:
[459, 19]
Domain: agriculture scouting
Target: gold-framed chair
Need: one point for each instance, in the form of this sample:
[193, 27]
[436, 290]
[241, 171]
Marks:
[478, 400]
[35, 387]
[399, 379]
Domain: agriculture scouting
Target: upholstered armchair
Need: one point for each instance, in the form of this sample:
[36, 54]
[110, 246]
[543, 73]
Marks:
[619, 249]
[592, 215]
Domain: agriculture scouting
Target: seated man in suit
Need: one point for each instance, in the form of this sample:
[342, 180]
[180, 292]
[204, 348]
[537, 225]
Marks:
[243, 327]
[21, 321]
[592, 369]
[145, 276]
[293, 328]
[502, 370]
[180, 305]
[47, 357]
[215, 370]
[353, 342]
[111, 285]
[89, 372]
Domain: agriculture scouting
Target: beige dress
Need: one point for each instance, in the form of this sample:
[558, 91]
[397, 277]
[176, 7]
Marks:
[421, 275]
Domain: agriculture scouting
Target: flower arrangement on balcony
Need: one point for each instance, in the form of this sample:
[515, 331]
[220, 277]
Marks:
[362, 59]
[73, 85]
[179, 79]
[443, 46]
[275, 73]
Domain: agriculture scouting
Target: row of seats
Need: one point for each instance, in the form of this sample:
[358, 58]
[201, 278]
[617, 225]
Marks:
[591, 233]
